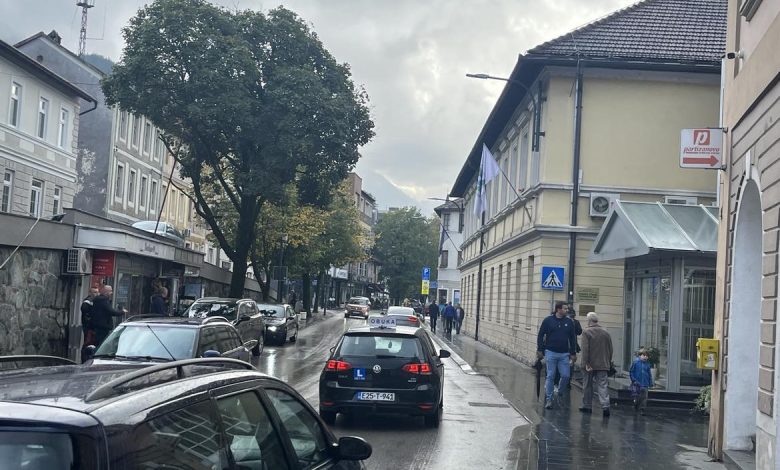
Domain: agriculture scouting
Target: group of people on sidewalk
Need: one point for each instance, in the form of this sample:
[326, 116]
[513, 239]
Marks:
[557, 346]
[97, 316]
[452, 316]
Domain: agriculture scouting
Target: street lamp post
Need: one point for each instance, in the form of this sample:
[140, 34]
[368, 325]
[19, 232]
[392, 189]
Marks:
[282, 271]
[534, 101]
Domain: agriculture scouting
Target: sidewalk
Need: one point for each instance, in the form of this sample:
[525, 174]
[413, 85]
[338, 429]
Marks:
[564, 438]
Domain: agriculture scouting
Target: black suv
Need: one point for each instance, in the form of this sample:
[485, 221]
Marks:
[153, 338]
[243, 313]
[198, 414]
[393, 370]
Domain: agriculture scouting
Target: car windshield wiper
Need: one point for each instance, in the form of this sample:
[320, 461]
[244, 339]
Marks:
[131, 358]
[387, 356]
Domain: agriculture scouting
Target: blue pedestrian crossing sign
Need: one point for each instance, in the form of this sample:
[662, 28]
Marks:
[426, 273]
[552, 277]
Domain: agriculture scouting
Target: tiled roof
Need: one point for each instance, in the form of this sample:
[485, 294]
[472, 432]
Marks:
[653, 30]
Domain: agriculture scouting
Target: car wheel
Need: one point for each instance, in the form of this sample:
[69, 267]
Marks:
[258, 350]
[328, 416]
[433, 420]
[295, 336]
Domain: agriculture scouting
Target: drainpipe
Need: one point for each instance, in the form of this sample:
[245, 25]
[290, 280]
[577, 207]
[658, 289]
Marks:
[575, 192]
[94, 107]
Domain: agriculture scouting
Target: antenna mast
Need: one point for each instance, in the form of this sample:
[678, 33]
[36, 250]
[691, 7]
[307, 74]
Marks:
[85, 6]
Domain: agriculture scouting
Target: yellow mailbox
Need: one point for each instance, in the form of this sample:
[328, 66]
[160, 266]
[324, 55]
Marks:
[707, 352]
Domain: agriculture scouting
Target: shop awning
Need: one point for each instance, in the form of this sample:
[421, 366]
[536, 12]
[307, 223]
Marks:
[639, 228]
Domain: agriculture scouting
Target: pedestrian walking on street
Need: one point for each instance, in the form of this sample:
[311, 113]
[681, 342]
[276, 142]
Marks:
[449, 319]
[557, 343]
[87, 326]
[641, 380]
[596, 361]
[102, 313]
[578, 331]
[433, 315]
[292, 298]
[459, 315]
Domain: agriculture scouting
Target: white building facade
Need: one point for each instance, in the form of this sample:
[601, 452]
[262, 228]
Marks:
[448, 279]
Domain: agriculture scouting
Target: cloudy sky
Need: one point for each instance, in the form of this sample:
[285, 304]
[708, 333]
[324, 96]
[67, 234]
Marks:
[410, 55]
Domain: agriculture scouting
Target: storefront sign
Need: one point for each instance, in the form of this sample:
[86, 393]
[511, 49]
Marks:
[701, 148]
[103, 263]
[118, 240]
[586, 295]
[338, 273]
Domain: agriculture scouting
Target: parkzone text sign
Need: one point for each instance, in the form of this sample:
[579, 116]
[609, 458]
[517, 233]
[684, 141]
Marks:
[701, 148]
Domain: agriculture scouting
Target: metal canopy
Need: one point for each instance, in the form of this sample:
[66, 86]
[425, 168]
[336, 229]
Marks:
[638, 228]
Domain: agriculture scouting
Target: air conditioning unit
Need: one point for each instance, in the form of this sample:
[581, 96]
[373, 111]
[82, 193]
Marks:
[601, 204]
[78, 261]
[227, 265]
[683, 200]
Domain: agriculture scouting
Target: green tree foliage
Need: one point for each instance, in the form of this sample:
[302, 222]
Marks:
[256, 101]
[406, 242]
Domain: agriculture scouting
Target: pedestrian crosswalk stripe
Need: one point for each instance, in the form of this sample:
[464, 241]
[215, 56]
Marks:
[552, 281]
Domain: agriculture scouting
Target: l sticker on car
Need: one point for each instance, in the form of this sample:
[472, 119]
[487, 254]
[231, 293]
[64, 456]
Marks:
[360, 374]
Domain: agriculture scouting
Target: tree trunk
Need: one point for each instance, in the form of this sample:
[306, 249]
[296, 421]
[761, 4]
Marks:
[318, 291]
[244, 242]
[307, 292]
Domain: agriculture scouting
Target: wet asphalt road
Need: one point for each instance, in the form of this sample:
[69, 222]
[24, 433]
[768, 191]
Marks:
[479, 427]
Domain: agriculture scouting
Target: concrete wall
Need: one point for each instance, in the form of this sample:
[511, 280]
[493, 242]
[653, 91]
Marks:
[34, 303]
[751, 112]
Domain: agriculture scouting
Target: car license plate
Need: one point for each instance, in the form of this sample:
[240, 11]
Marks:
[375, 396]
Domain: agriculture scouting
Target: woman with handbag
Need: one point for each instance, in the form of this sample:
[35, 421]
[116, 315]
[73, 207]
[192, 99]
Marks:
[641, 380]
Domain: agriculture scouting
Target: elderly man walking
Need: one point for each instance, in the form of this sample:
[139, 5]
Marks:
[596, 360]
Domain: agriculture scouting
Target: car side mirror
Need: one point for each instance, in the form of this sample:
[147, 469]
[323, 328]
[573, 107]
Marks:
[444, 353]
[251, 344]
[211, 353]
[333, 349]
[89, 352]
[244, 318]
[352, 448]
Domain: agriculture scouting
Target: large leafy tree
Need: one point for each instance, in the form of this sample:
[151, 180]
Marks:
[406, 242]
[256, 101]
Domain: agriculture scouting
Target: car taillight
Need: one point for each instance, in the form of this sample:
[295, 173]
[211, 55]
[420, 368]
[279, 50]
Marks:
[337, 366]
[421, 369]
[413, 320]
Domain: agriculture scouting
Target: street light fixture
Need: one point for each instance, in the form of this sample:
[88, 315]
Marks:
[537, 108]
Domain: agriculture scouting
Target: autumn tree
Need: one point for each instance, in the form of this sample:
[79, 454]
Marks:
[257, 102]
[406, 242]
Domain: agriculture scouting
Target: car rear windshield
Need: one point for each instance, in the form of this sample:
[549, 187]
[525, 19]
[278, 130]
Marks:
[357, 301]
[148, 340]
[213, 309]
[272, 311]
[380, 346]
[38, 450]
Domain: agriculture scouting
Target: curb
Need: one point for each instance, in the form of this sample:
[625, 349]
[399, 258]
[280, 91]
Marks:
[464, 366]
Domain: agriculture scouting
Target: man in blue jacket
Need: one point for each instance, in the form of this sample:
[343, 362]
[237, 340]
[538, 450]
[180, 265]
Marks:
[557, 343]
[449, 319]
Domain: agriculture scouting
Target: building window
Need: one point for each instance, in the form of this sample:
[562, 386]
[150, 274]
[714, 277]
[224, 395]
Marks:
[523, 182]
[444, 255]
[62, 138]
[15, 106]
[498, 292]
[43, 112]
[446, 221]
[490, 297]
[153, 197]
[530, 294]
[508, 291]
[460, 222]
[8, 191]
[123, 125]
[518, 284]
[119, 181]
[142, 195]
[131, 188]
[36, 190]
[136, 130]
[56, 198]
[460, 257]
[157, 147]
[147, 137]
[211, 256]
[173, 208]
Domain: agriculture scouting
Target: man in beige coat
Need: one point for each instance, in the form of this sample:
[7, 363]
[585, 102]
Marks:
[596, 360]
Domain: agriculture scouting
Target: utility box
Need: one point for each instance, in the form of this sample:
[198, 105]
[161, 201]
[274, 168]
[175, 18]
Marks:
[707, 352]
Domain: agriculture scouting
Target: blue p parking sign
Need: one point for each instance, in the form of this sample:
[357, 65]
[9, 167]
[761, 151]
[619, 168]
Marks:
[552, 277]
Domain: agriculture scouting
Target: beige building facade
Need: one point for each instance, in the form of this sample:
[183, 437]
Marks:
[744, 419]
[585, 120]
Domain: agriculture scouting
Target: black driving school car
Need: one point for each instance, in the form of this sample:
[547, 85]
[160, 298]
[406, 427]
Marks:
[390, 369]
[196, 414]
